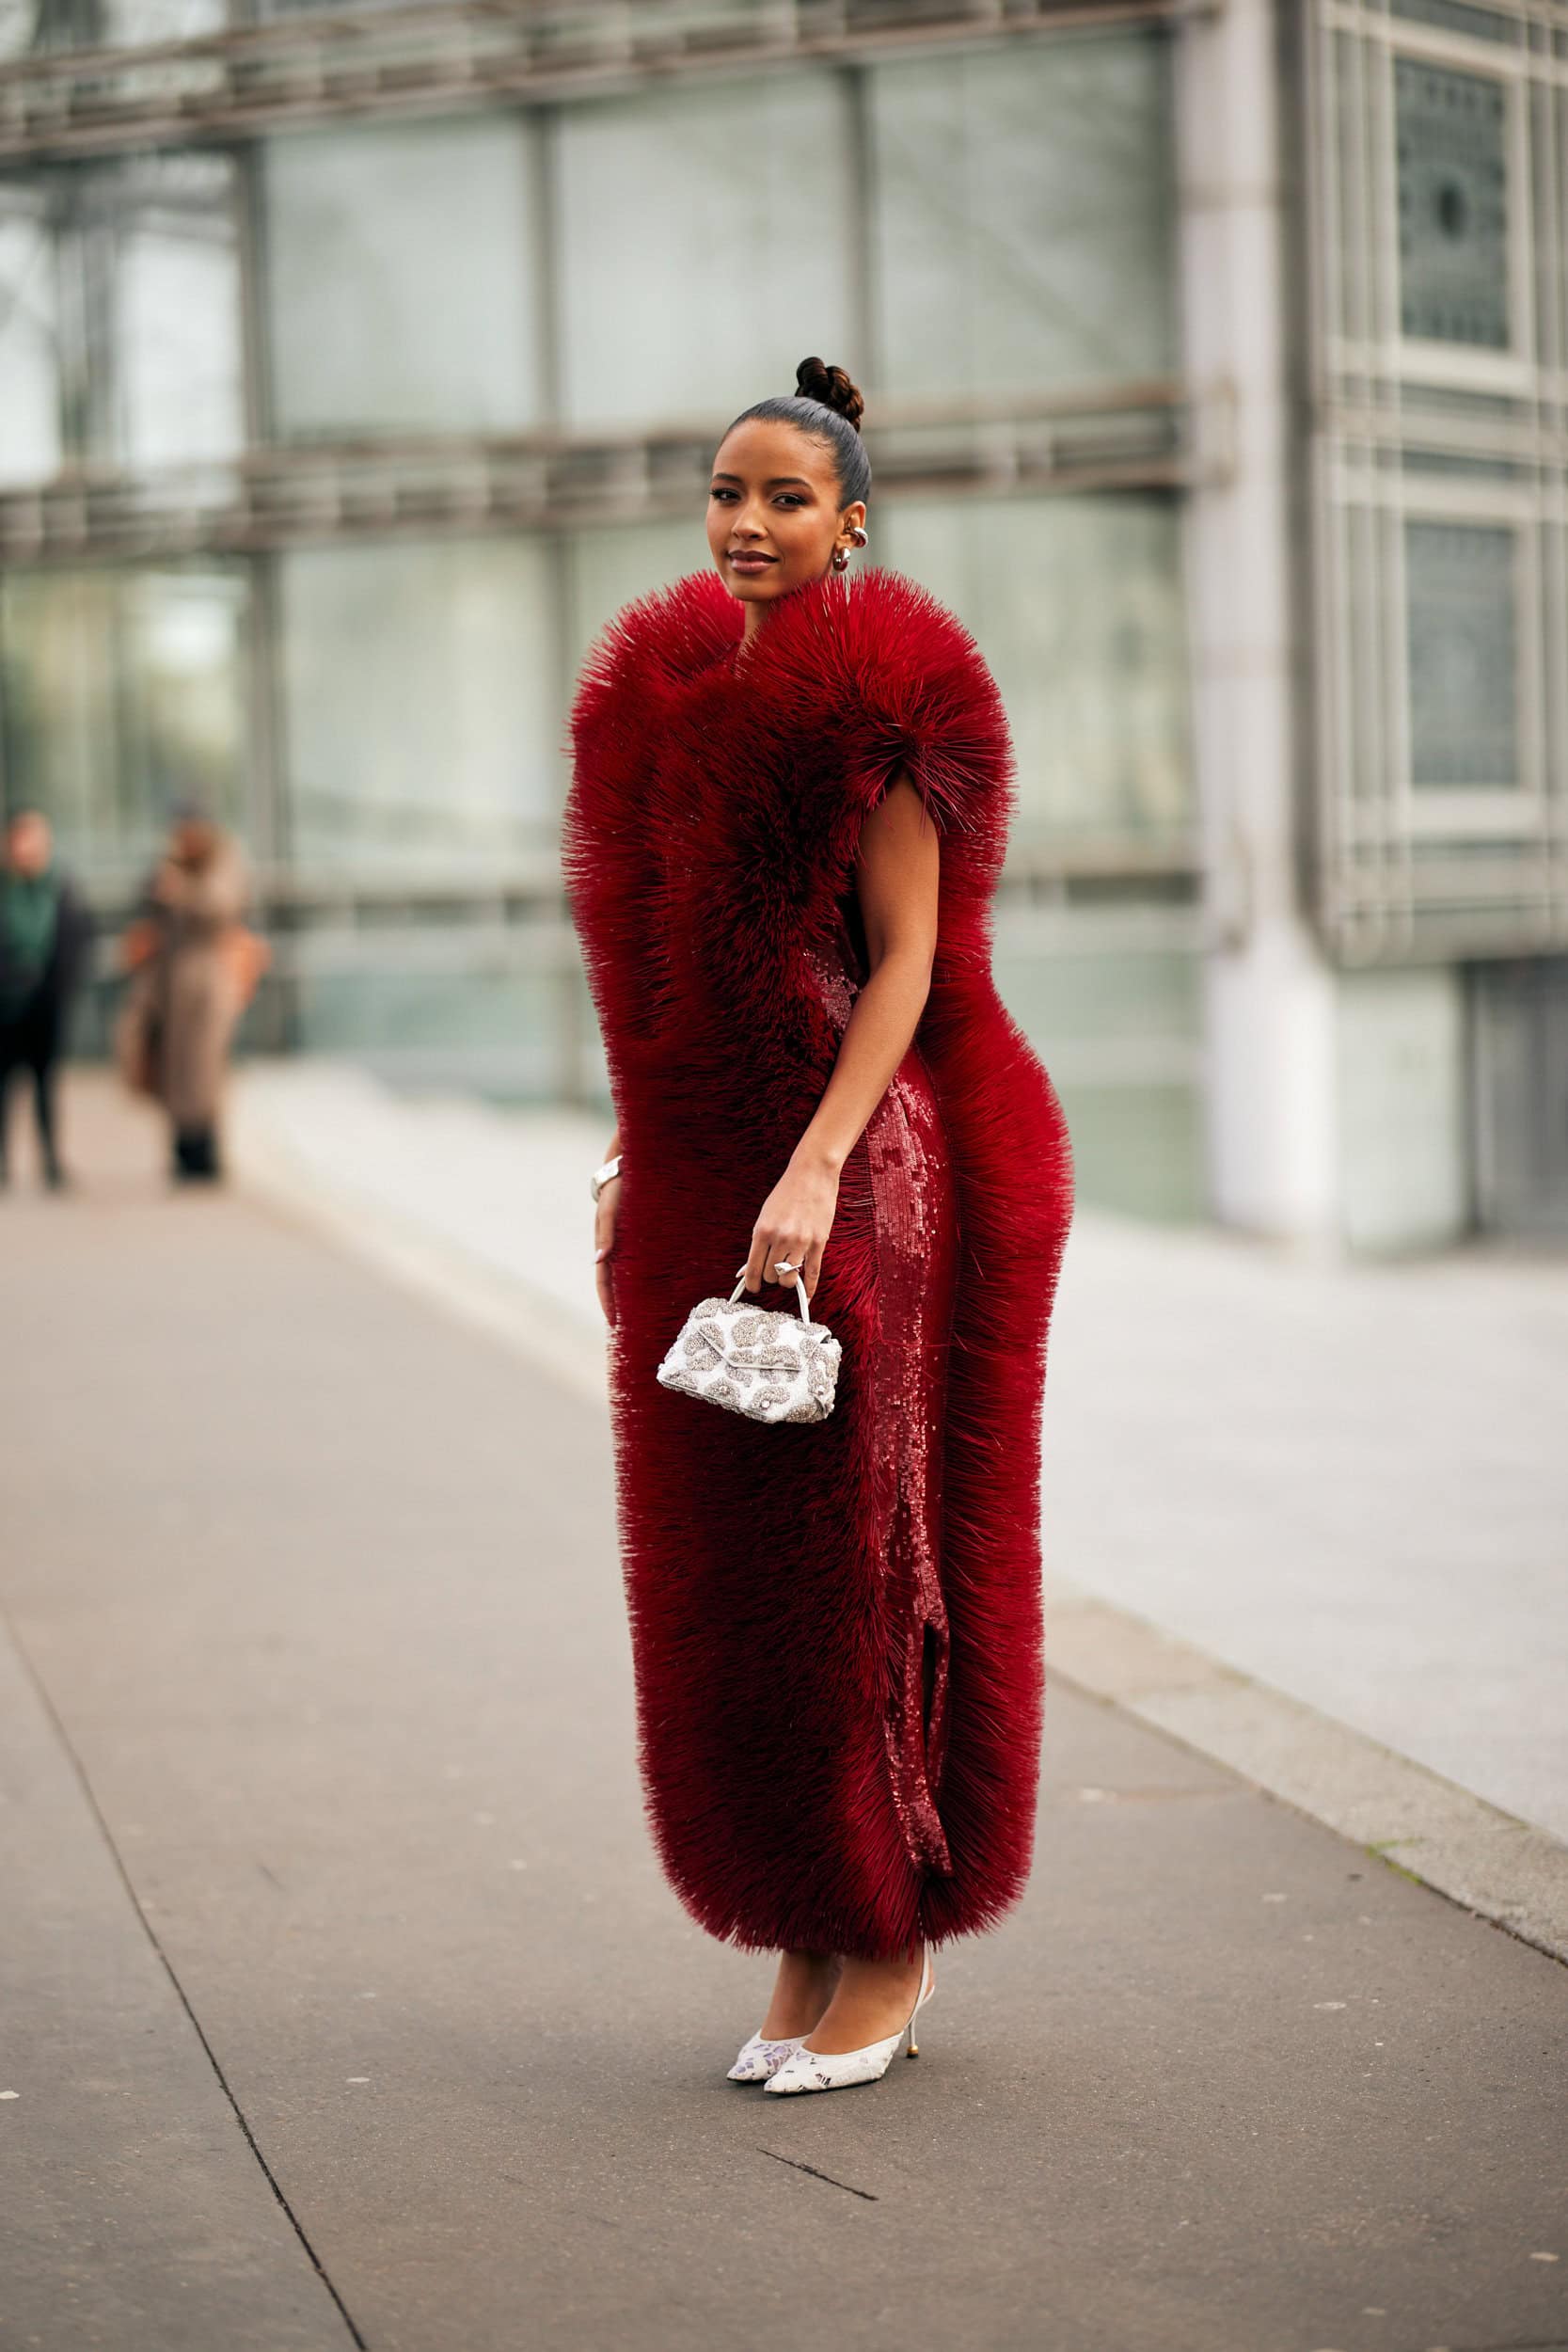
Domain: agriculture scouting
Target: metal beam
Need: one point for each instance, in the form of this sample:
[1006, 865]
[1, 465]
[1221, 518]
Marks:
[1129, 436]
[312, 68]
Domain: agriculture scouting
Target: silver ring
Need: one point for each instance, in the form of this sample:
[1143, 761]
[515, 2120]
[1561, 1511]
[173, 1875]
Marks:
[781, 1265]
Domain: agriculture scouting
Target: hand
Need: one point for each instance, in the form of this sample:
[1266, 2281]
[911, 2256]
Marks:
[604, 1247]
[795, 1222]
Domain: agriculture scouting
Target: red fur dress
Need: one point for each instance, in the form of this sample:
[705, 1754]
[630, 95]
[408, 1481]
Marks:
[836, 1626]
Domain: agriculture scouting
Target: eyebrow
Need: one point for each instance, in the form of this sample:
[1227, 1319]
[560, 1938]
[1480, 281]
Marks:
[775, 482]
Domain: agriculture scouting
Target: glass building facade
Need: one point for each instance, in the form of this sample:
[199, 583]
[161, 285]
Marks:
[327, 445]
[356, 364]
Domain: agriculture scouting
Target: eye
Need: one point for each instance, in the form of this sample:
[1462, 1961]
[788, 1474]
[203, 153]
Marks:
[719, 492]
[791, 498]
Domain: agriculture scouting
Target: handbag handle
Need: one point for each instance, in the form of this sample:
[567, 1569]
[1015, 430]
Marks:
[800, 1286]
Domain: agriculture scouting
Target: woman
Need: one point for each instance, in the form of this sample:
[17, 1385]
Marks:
[194, 966]
[787, 814]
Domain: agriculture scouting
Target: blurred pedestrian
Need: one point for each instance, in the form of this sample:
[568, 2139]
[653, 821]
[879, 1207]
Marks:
[788, 813]
[194, 966]
[44, 932]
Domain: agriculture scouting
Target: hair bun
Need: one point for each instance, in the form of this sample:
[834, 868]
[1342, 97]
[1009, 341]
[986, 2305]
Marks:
[831, 387]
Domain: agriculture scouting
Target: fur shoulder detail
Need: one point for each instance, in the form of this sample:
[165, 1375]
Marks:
[886, 668]
[669, 632]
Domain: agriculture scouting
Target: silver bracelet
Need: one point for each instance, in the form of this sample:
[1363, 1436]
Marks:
[601, 1176]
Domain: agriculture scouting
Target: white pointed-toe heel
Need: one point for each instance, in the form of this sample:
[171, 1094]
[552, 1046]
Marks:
[760, 2060]
[838, 2069]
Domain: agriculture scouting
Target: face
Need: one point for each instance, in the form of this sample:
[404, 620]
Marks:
[193, 841]
[28, 844]
[773, 511]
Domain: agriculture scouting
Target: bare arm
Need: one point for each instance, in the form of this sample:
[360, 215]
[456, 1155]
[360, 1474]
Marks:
[896, 876]
[604, 1234]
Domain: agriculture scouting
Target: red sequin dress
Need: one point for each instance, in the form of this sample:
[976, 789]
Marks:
[916, 1221]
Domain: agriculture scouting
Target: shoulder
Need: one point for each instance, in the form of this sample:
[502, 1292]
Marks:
[908, 687]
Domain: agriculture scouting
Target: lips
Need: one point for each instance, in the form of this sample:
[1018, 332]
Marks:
[749, 558]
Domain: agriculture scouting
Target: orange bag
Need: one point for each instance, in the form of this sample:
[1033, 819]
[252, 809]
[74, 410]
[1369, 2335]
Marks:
[250, 956]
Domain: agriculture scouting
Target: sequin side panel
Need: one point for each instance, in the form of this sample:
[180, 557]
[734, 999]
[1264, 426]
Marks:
[916, 1212]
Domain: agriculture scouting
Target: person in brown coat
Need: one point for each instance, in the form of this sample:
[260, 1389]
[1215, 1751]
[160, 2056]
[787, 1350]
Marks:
[188, 950]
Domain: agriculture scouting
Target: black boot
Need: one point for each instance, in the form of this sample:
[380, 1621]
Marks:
[194, 1154]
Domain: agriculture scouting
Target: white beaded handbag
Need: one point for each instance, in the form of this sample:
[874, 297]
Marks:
[763, 1362]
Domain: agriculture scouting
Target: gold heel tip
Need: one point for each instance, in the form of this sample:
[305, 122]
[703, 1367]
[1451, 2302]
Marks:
[914, 2050]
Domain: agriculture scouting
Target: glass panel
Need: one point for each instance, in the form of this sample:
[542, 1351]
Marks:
[30, 25]
[609, 567]
[177, 313]
[499, 1032]
[704, 240]
[29, 360]
[57, 676]
[120, 316]
[421, 702]
[1076, 604]
[1452, 133]
[122, 692]
[1462, 617]
[390, 311]
[182, 697]
[129, 22]
[1024, 217]
[1455, 16]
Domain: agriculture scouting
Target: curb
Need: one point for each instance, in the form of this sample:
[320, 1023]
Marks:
[1503, 1869]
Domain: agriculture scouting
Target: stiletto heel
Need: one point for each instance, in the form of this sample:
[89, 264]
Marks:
[807, 2069]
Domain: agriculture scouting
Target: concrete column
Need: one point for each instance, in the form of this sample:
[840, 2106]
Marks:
[1269, 995]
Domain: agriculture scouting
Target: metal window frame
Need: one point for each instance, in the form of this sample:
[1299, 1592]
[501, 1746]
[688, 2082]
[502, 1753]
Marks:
[1398, 428]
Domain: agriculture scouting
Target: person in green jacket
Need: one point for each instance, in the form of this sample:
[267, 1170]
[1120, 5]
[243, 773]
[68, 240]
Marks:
[44, 931]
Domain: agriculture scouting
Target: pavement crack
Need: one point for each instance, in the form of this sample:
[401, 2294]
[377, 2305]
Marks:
[847, 2186]
[79, 1770]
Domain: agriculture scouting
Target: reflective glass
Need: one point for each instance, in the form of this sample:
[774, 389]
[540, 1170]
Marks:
[122, 690]
[120, 317]
[497, 1031]
[1453, 132]
[421, 702]
[704, 246]
[1025, 217]
[1076, 604]
[29, 353]
[610, 567]
[177, 313]
[1461, 634]
[401, 278]
[28, 25]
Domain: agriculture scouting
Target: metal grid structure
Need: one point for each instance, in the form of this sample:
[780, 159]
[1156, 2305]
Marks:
[311, 66]
[1435, 359]
[1130, 437]
[67, 114]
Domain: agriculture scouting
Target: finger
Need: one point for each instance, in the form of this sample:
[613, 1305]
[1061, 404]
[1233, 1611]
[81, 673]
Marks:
[812, 1272]
[796, 1253]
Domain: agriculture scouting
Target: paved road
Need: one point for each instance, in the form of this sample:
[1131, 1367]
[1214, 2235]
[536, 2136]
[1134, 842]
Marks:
[345, 2002]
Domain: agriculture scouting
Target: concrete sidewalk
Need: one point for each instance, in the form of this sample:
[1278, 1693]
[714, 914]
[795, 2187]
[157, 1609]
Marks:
[346, 2005]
